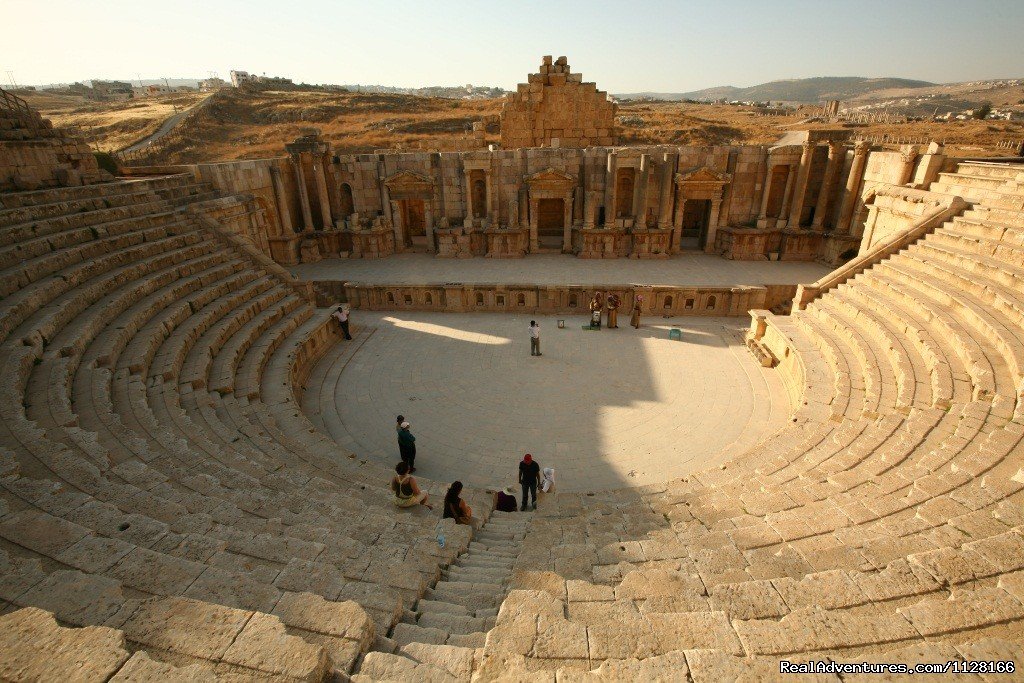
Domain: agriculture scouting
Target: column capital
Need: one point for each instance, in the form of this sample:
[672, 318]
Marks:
[861, 147]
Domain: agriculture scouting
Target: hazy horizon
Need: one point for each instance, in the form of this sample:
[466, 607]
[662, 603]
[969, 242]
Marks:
[655, 46]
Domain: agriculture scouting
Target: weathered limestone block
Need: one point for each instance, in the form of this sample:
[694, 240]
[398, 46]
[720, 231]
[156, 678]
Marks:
[33, 647]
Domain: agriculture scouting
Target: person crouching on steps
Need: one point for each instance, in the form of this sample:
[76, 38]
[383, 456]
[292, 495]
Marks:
[407, 491]
[529, 474]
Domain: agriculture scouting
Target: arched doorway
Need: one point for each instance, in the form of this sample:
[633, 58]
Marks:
[624, 182]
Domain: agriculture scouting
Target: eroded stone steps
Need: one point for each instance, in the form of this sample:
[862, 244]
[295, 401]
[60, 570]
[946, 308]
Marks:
[443, 635]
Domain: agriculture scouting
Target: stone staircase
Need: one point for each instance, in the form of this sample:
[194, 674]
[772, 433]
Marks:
[443, 638]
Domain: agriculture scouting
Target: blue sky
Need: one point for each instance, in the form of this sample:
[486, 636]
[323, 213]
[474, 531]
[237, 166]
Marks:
[626, 46]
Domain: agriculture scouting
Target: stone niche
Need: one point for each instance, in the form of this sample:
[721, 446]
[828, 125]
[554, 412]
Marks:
[555, 108]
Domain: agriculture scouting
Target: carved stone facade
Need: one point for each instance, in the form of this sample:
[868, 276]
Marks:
[555, 108]
[801, 201]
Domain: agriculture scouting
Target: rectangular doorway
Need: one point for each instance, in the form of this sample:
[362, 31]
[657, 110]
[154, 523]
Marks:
[550, 222]
[414, 223]
[696, 213]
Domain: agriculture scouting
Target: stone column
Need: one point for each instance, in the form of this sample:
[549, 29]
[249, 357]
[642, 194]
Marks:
[609, 189]
[908, 154]
[534, 245]
[588, 209]
[800, 192]
[396, 224]
[487, 189]
[300, 179]
[665, 200]
[677, 225]
[763, 213]
[321, 191]
[428, 220]
[567, 222]
[836, 154]
[284, 216]
[853, 181]
[467, 195]
[716, 208]
[787, 196]
[640, 197]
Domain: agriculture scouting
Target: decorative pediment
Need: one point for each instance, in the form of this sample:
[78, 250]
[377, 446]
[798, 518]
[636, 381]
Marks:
[552, 180]
[409, 185]
[703, 175]
[408, 179]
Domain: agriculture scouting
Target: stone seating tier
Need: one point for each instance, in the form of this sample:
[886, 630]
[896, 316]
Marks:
[157, 470]
[125, 480]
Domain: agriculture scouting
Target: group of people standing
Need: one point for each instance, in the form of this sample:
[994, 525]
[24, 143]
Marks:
[408, 494]
[610, 304]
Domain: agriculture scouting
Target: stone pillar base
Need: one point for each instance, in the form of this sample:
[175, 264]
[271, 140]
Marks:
[373, 243]
[506, 243]
[285, 250]
[651, 243]
[603, 243]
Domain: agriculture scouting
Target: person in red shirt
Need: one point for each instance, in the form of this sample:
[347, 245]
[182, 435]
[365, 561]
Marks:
[529, 477]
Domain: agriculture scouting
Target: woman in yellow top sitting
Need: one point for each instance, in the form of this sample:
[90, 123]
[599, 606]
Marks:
[407, 491]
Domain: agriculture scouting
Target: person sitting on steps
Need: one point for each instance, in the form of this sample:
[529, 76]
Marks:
[456, 508]
[407, 491]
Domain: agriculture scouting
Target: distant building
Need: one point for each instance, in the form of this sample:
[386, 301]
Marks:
[211, 84]
[239, 78]
[111, 90]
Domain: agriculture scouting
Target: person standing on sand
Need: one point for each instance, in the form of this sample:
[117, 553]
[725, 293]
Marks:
[612, 303]
[634, 319]
[534, 338]
[341, 315]
[407, 446]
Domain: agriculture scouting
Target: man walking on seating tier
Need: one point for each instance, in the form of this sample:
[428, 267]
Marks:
[529, 476]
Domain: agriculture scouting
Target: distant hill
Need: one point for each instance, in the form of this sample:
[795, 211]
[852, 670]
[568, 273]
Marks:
[810, 90]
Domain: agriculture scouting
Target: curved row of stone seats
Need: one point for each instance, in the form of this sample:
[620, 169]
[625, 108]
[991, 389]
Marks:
[887, 520]
[124, 476]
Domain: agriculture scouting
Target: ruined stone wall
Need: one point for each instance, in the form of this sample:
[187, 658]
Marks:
[35, 155]
[556, 108]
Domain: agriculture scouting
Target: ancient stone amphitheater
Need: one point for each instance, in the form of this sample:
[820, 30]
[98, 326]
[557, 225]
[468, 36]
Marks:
[167, 511]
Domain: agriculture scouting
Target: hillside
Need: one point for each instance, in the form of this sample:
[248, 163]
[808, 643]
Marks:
[804, 90]
[246, 125]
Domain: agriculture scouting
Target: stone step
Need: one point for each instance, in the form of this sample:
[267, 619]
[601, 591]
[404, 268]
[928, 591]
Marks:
[472, 595]
[499, 552]
[477, 575]
[425, 606]
[455, 623]
[460, 662]
[380, 666]
[484, 563]
[403, 634]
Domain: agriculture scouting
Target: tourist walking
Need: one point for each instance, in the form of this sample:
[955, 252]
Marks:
[634, 319]
[407, 446]
[529, 474]
[456, 508]
[341, 315]
[612, 303]
[534, 338]
[407, 491]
